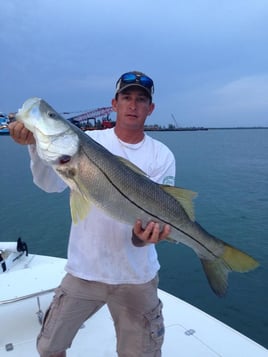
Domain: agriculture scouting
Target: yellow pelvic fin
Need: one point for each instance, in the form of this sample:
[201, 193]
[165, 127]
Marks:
[184, 197]
[80, 206]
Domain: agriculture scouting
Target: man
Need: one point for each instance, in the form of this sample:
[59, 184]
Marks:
[108, 262]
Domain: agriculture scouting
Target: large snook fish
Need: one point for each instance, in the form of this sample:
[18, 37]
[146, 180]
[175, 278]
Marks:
[124, 192]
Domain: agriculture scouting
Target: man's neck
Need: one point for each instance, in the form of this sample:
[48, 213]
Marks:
[129, 136]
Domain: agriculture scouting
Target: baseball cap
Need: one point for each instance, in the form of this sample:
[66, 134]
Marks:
[137, 79]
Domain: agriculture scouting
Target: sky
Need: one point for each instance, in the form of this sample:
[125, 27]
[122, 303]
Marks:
[208, 58]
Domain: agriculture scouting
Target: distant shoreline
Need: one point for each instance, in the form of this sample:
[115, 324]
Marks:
[202, 129]
[4, 132]
[239, 128]
[172, 129]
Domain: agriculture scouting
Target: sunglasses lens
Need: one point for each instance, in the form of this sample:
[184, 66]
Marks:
[129, 78]
[146, 81]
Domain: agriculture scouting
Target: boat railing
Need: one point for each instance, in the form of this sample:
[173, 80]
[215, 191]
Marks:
[24, 297]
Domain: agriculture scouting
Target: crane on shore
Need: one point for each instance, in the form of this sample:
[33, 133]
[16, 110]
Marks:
[83, 120]
[175, 121]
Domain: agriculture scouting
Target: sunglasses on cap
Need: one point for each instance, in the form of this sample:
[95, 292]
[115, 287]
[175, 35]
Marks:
[135, 78]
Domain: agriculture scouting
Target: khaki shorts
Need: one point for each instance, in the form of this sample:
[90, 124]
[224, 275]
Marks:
[135, 308]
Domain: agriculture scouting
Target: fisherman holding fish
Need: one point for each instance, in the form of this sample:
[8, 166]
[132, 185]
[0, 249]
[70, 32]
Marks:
[109, 262]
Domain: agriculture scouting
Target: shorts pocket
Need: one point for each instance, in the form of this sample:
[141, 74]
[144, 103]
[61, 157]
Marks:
[156, 329]
[52, 314]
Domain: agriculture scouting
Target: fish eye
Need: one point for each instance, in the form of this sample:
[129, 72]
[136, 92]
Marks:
[51, 115]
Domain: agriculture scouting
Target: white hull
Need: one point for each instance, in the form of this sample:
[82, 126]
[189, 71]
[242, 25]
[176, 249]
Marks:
[27, 289]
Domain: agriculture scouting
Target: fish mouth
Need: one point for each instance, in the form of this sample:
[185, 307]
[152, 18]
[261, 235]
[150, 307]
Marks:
[28, 105]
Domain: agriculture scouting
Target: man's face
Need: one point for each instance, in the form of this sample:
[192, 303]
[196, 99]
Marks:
[132, 107]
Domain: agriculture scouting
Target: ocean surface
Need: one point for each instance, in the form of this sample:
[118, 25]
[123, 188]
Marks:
[228, 169]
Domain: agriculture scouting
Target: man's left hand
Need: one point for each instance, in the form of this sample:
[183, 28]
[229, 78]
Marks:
[151, 234]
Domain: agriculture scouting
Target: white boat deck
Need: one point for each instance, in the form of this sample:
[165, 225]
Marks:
[189, 331]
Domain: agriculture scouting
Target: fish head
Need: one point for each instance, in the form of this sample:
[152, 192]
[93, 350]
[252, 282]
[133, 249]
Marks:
[37, 115]
[53, 134]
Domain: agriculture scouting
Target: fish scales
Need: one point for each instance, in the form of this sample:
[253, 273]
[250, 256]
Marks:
[142, 195]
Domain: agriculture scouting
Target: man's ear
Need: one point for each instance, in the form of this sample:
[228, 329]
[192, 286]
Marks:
[151, 109]
[114, 104]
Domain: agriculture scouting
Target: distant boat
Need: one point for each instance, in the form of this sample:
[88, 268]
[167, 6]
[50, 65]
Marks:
[4, 125]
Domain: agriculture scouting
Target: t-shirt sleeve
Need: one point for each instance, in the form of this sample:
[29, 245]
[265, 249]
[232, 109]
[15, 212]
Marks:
[165, 167]
[43, 175]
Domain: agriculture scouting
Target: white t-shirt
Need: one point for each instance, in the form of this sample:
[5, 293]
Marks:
[100, 248]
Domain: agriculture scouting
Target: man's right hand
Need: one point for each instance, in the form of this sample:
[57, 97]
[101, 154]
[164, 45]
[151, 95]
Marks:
[20, 134]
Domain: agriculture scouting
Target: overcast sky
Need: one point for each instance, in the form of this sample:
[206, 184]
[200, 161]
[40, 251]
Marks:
[208, 58]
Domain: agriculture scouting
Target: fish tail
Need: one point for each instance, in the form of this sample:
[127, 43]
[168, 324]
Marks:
[217, 270]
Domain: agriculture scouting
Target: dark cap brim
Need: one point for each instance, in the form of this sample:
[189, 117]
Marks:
[146, 90]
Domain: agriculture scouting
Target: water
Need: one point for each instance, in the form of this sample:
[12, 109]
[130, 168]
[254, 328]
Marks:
[228, 169]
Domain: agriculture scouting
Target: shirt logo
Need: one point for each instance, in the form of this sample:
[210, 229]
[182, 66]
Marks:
[169, 180]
